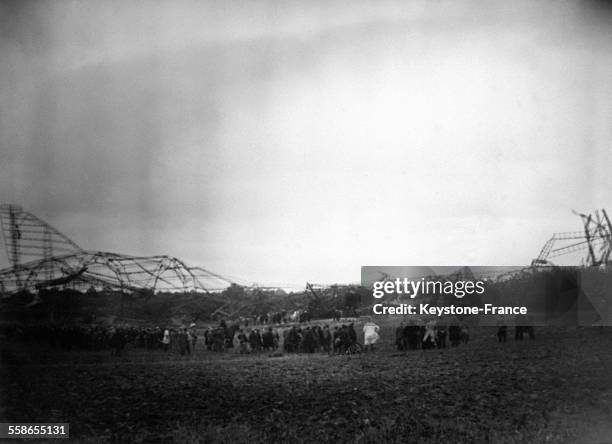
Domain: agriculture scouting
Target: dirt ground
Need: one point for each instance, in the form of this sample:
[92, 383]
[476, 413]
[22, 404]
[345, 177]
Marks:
[557, 388]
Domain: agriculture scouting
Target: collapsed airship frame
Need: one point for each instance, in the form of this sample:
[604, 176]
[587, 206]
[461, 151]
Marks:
[42, 257]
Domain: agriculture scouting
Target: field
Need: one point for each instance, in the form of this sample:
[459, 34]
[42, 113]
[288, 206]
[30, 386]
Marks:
[557, 388]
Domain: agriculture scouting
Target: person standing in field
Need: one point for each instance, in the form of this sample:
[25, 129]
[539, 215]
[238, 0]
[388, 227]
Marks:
[352, 334]
[268, 340]
[244, 342]
[429, 338]
[327, 339]
[370, 334]
[183, 341]
[193, 337]
[166, 340]
[400, 338]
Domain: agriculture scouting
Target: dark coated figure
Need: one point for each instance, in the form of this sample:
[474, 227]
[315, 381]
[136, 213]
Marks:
[454, 334]
[441, 337]
[502, 333]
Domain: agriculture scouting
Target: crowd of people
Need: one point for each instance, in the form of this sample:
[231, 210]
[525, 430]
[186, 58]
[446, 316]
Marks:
[276, 317]
[292, 338]
[413, 336]
[99, 337]
[297, 338]
[519, 332]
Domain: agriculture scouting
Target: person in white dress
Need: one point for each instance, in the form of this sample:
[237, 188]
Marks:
[166, 340]
[429, 338]
[370, 334]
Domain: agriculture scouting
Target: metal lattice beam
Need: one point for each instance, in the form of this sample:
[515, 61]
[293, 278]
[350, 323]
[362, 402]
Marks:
[595, 239]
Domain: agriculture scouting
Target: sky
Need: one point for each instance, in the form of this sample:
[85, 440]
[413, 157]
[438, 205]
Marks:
[286, 141]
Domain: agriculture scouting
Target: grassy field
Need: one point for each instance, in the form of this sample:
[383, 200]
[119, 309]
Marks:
[557, 388]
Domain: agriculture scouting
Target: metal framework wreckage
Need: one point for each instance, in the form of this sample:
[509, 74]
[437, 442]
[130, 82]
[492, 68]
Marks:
[40, 257]
[595, 240]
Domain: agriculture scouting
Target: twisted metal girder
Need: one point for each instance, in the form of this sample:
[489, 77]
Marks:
[26, 237]
[596, 239]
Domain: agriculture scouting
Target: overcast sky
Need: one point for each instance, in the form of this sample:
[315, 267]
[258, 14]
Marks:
[284, 141]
